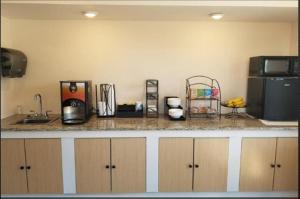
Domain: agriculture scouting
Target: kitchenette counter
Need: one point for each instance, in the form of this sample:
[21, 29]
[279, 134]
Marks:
[141, 124]
[149, 134]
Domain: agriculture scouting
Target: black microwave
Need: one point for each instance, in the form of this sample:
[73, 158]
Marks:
[274, 66]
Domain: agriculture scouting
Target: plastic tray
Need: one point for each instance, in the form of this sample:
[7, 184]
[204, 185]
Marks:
[130, 113]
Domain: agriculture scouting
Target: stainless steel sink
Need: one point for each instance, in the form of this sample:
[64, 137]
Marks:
[38, 117]
[30, 120]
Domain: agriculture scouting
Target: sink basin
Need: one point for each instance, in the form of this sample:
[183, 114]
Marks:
[36, 120]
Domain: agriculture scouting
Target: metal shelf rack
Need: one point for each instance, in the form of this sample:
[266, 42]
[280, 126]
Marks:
[152, 98]
[203, 89]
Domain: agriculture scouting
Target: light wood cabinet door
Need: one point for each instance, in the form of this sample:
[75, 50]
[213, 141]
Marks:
[175, 161]
[286, 172]
[210, 164]
[43, 159]
[13, 172]
[92, 156]
[256, 174]
[128, 163]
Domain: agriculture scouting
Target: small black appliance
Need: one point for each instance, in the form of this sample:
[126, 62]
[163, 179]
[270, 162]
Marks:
[274, 66]
[273, 84]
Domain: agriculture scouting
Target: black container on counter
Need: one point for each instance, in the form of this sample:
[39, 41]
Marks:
[128, 110]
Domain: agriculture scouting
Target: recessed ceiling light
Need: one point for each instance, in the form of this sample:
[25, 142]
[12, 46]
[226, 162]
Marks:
[90, 14]
[216, 16]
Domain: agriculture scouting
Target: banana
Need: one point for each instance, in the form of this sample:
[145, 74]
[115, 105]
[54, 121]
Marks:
[236, 102]
[239, 99]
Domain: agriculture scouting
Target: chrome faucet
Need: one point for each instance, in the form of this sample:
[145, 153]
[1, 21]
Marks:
[39, 97]
[39, 115]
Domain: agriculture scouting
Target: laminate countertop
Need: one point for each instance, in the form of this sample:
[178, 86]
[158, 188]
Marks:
[141, 124]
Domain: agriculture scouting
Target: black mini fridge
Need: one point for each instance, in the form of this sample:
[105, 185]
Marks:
[273, 98]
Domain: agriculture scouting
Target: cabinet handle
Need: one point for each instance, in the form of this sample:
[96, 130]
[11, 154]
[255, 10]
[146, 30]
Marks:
[28, 167]
[190, 166]
[272, 165]
[278, 165]
[196, 165]
[113, 166]
[107, 166]
[22, 167]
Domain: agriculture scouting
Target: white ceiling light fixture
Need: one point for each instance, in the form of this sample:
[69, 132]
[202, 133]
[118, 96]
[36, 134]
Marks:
[216, 16]
[90, 14]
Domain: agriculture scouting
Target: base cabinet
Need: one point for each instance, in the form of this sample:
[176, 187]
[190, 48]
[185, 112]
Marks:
[269, 164]
[187, 164]
[175, 164]
[92, 157]
[128, 163]
[110, 165]
[118, 165]
[13, 173]
[31, 166]
[286, 173]
[211, 164]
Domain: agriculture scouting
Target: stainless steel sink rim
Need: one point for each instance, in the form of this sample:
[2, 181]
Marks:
[36, 120]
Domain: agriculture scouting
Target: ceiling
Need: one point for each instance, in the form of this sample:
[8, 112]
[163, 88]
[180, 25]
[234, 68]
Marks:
[264, 11]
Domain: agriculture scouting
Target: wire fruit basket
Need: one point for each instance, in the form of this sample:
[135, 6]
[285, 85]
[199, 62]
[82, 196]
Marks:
[234, 114]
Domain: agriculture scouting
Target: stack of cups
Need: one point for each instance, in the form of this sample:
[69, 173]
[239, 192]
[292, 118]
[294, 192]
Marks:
[102, 108]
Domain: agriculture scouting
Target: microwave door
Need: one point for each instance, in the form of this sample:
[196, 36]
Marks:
[277, 66]
[281, 99]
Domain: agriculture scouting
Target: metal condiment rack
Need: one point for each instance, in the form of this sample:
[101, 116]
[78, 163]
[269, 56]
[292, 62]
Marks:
[195, 82]
[102, 95]
[152, 98]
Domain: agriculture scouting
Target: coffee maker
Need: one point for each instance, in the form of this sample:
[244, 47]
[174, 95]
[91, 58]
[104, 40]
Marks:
[76, 101]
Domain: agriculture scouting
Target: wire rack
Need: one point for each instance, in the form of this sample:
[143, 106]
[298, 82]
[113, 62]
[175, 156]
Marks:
[152, 98]
[106, 96]
[203, 97]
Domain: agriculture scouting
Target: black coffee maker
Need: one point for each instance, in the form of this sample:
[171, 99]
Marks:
[76, 101]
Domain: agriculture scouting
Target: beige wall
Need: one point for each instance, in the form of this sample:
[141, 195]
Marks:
[294, 39]
[129, 52]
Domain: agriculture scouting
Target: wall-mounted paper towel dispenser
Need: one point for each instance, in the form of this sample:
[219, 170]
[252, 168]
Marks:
[13, 63]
